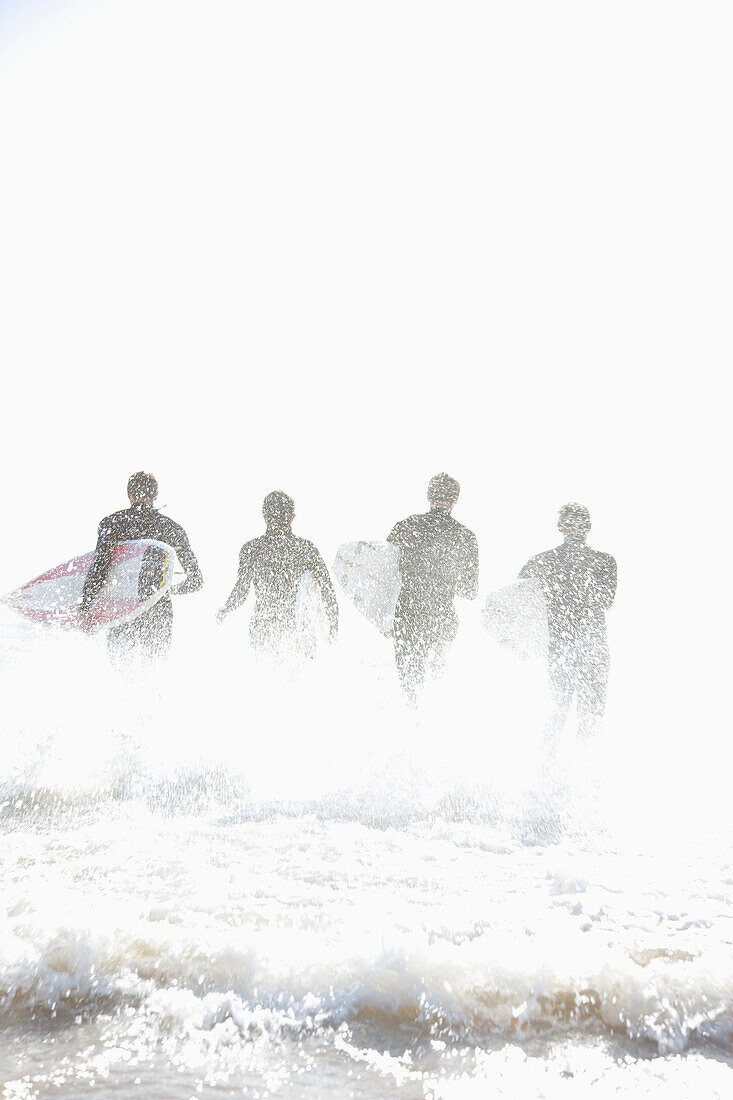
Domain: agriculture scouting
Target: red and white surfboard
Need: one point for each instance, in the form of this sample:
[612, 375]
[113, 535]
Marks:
[140, 573]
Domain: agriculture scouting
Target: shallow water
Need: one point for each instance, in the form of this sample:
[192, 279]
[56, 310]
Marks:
[224, 884]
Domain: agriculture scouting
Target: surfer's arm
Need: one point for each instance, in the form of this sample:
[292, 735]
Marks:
[98, 572]
[239, 593]
[328, 595]
[607, 578]
[194, 578]
[468, 581]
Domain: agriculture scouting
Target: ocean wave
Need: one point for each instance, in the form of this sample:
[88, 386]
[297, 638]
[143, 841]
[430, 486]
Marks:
[289, 982]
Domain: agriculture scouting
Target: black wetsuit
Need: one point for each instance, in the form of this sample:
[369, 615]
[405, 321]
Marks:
[275, 564]
[579, 585]
[438, 561]
[150, 632]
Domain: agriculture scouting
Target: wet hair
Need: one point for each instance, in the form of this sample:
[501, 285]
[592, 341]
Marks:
[142, 486]
[278, 507]
[443, 490]
[573, 518]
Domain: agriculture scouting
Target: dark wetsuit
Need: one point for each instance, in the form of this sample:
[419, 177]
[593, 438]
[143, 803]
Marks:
[579, 585]
[275, 564]
[150, 632]
[438, 561]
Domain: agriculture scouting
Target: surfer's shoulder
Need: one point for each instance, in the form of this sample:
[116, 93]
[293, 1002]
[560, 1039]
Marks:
[253, 545]
[411, 523]
[542, 560]
[604, 558]
[413, 529]
[307, 550]
[402, 527]
[171, 532]
[462, 530]
[113, 520]
[168, 524]
[306, 544]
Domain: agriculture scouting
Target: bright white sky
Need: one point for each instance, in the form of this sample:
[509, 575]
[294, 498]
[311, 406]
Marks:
[335, 247]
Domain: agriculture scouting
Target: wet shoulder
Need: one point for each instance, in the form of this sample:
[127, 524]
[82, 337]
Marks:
[461, 530]
[410, 523]
[546, 559]
[171, 527]
[410, 528]
[114, 522]
[168, 531]
[276, 547]
[116, 518]
[254, 546]
[307, 550]
[603, 559]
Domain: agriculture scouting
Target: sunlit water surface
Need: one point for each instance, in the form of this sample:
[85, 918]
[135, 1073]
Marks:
[230, 884]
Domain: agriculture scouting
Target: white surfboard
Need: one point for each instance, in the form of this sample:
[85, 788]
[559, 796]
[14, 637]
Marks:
[516, 617]
[140, 572]
[369, 574]
[310, 613]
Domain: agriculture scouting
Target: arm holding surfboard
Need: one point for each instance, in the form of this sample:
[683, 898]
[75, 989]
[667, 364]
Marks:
[123, 527]
[98, 573]
[317, 568]
[193, 579]
[467, 580]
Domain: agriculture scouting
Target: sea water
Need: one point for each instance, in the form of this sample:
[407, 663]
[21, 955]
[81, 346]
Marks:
[231, 881]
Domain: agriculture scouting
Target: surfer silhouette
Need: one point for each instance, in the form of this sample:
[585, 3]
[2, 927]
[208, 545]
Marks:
[150, 633]
[275, 564]
[579, 585]
[438, 561]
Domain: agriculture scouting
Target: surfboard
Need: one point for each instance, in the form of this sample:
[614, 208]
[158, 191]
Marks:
[140, 573]
[369, 574]
[310, 614]
[516, 617]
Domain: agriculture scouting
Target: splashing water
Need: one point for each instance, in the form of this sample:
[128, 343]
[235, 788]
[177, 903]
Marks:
[229, 881]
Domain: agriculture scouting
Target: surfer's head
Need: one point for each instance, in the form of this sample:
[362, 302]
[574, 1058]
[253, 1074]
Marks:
[278, 509]
[443, 492]
[573, 521]
[142, 488]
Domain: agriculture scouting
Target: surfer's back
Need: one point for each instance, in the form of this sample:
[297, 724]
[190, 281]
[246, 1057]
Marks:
[579, 585]
[141, 521]
[438, 557]
[278, 560]
[275, 564]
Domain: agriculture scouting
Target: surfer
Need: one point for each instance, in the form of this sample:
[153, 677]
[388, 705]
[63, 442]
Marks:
[276, 563]
[579, 585]
[438, 561]
[150, 633]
